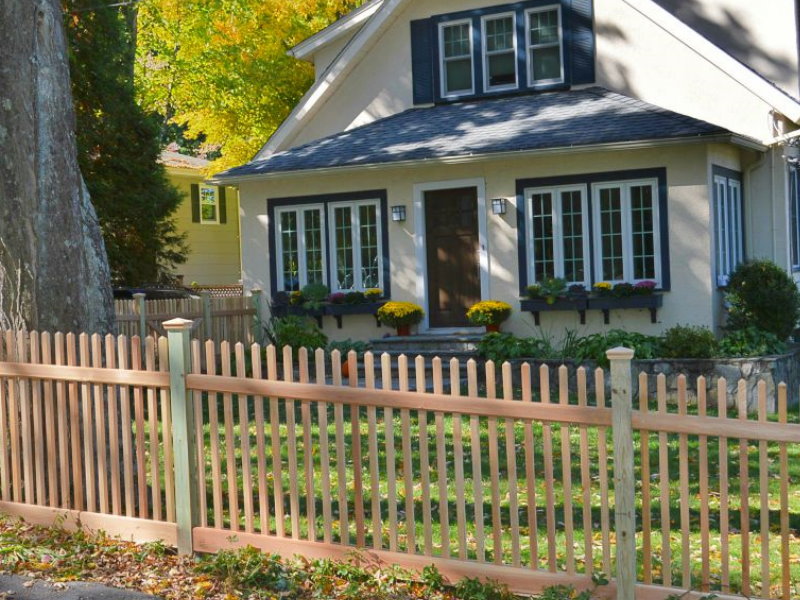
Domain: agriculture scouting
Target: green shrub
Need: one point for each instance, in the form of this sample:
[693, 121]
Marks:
[763, 295]
[247, 568]
[355, 297]
[500, 347]
[345, 346]
[684, 341]
[314, 294]
[475, 589]
[595, 346]
[750, 341]
[297, 332]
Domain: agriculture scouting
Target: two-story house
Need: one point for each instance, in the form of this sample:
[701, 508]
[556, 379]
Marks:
[456, 151]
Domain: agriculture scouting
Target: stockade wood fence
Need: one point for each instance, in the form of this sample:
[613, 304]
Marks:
[217, 317]
[415, 464]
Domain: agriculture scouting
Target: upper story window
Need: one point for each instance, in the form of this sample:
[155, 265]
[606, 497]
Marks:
[545, 54]
[456, 53]
[209, 204]
[499, 52]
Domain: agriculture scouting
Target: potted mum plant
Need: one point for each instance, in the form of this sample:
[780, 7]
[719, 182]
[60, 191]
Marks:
[401, 315]
[489, 313]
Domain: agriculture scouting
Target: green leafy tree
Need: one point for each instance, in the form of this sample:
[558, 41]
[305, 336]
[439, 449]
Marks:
[220, 66]
[119, 146]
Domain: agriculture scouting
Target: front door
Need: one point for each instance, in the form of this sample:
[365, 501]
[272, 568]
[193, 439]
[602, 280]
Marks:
[451, 237]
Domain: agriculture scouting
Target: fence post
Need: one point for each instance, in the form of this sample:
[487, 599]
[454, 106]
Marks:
[141, 307]
[208, 326]
[624, 485]
[258, 318]
[187, 507]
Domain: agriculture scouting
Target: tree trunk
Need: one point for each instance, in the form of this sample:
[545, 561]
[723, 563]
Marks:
[53, 267]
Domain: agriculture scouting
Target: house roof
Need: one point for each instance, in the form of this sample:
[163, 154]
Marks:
[553, 120]
[182, 161]
[387, 10]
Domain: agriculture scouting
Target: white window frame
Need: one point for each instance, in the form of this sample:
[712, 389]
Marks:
[558, 233]
[486, 54]
[301, 243]
[793, 181]
[215, 190]
[443, 60]
[529, 46]
[728, 248]
[627, 230]
[356, 233]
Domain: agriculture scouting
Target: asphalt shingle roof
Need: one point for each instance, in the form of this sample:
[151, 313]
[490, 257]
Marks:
[518, 123]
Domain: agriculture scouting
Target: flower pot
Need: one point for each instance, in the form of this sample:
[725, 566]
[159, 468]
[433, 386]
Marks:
[493, 328]
[404, 330]
[346, 369]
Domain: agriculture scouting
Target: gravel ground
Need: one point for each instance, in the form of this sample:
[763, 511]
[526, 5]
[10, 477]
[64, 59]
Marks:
[13, 587]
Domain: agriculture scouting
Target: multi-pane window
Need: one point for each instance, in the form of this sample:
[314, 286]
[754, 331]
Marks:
[545, 63]
[728, 225]
[499, 51]
[353, 258]
[558, 242]
[456, 45]
[301, 249]
[209, 204]
[627, 244]
[794, 200]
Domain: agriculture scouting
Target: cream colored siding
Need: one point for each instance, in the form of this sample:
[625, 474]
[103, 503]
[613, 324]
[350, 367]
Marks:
[213, 257]
[690, 300]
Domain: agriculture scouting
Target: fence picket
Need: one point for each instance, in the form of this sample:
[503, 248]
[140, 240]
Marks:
[166, 434]
[408, 463]
[114, 430]
[25, 423]
[5, 450]
[602, 457]
[549, 477]
[744, 490]
[763, 472]
[644, 436]
[88, 436]
[722, 407]
[441, 462]
[75, 431]
[38, 423]
[511, 465]
[308, 456]
[372, 447]
[566, 470]
[663, 478]
[324, 453]
[783, 417]
[256, 357]
[586, 489]
[705, 542]
[275, 439]
[391, 459]
[100, 427]
[683, 477]
[197, 398]
[424, 460]
[341, 454]
[244, 439]
[530, 469]
[458, 459]
[155, 446]
[213, 419]
[291, 447]
[475, 453]
[62, 410]
[50, 424]
[358, 466]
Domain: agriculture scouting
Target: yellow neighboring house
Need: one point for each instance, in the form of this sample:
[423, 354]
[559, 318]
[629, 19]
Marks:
[210, 219]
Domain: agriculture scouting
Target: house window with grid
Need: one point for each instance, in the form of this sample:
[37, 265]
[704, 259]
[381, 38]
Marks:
[499, 52]
[626, 232]
[356, 246]
[209, 204]
[300, 247]
[456, 53]
[558, 245]
[728, 223]
[545, 52]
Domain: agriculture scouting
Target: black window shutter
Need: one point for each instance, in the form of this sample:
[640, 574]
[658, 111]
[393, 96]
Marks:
[582, 32]
[422, 61]
[223, 206]
[195, 203]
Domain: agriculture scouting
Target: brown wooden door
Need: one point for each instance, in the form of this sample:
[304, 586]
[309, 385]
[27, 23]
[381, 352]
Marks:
[451, 230]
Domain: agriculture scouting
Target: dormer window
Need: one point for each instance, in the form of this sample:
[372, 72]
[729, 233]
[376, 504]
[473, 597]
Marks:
[499, 52]
[456, 53]
[545, 54]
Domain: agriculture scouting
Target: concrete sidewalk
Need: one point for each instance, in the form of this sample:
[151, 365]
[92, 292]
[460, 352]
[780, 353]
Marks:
[13, 587]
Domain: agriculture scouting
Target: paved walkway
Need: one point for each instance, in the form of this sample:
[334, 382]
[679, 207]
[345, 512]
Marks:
[13, 587]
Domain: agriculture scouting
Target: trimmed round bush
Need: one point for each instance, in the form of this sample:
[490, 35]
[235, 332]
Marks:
[684, 341]
[763, 295]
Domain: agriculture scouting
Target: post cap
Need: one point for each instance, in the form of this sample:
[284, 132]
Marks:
[178, 324]
[255, 290]
[139, 295]
[620, 353]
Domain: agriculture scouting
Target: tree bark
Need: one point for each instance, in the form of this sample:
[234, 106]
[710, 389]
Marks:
[50, 240]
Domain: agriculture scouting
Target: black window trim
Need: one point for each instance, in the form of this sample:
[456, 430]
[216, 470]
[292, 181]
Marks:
[325, 200]
[589, 179]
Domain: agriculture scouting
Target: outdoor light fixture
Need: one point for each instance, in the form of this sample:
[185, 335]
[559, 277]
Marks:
[499, 206]
[398, 213]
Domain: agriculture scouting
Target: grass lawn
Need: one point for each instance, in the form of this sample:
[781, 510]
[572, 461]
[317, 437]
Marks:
[509, 503]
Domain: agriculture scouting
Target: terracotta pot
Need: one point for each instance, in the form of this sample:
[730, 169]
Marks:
[404, 330]
[346, 368]
[493, 328]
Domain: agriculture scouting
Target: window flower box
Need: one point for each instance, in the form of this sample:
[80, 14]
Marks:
[538, 305]
[337, 311]
[652, 302]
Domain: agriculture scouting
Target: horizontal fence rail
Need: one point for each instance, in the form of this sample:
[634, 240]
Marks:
[483, 470]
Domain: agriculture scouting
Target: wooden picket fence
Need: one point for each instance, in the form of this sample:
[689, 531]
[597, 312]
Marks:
[216, 316]
[479, 471]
